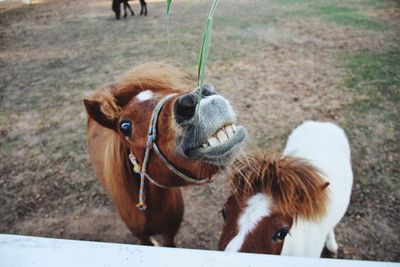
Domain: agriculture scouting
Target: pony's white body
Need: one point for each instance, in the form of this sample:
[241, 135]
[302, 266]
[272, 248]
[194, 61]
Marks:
[326, 147]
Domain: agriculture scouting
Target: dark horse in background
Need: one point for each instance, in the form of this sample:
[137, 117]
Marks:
[116, 7]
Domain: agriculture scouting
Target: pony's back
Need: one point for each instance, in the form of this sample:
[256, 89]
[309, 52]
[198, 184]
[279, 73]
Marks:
[324, 145]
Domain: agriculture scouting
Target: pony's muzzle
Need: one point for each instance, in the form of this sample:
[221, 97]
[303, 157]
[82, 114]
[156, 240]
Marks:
[185, 107]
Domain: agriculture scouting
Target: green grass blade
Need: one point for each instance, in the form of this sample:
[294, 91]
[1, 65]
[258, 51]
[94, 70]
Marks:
[213, 7]
[168, 23]
[204, 53]
[205, 48]
[168, 6]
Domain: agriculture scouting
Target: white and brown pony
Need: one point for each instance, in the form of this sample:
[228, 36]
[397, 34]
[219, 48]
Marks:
[290, 204]
[148, 136]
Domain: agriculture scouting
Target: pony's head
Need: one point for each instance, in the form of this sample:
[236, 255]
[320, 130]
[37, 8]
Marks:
[197, 135]
[270, 193]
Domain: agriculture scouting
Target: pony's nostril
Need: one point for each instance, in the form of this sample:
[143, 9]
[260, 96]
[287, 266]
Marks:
[208, 90]
[185, 107]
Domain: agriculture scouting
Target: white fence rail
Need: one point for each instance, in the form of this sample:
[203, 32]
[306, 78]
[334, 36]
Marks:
[37, 251]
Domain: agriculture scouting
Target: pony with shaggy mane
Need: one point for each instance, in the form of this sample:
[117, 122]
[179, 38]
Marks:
[294, 184]
[119, 116]
[290, 204]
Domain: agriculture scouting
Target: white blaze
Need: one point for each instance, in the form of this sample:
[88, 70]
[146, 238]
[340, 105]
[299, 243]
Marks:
[258, 207]
[145, 95]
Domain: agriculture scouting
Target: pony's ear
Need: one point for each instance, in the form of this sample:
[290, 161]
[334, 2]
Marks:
[94, 110]
[325, 185]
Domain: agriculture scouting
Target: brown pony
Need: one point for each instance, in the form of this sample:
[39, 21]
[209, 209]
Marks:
[191, 136]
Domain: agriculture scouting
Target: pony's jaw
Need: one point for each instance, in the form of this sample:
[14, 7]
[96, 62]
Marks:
[211, 134]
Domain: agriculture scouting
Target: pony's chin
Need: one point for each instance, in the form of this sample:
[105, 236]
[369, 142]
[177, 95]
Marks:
[221, 154]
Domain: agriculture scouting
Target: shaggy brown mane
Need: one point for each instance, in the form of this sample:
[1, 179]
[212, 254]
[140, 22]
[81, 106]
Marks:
[154, 76]
[119, 181]
[296, 187]
[157, 77]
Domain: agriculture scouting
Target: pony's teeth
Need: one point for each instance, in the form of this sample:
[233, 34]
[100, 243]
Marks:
[213, 141]
[229, 131]
[222, 137]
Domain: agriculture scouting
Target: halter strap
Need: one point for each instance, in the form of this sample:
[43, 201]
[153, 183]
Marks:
[151, 144]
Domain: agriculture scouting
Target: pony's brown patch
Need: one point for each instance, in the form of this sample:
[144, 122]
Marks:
[296, 187]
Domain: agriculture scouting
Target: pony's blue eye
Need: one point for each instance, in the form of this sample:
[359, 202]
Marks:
[126, 128]
[280, 234]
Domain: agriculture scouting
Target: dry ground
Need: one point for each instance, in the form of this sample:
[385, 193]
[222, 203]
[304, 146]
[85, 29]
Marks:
[280, 63]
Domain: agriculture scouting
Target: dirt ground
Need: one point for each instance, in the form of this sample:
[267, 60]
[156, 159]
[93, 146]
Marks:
[279, 62]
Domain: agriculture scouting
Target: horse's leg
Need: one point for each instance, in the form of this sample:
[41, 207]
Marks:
[168, 240]
[143, 7]
[330, 243]
[327, 254]
[145, 240]
[116, 7]
[125, 3]
[173, 224]
[129, 6]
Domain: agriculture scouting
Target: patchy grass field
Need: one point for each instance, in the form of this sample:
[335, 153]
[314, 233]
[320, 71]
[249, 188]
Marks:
[279, 61]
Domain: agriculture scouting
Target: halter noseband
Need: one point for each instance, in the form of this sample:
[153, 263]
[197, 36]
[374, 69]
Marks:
[151, 144]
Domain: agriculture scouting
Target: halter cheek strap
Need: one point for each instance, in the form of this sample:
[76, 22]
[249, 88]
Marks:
[151, 144]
